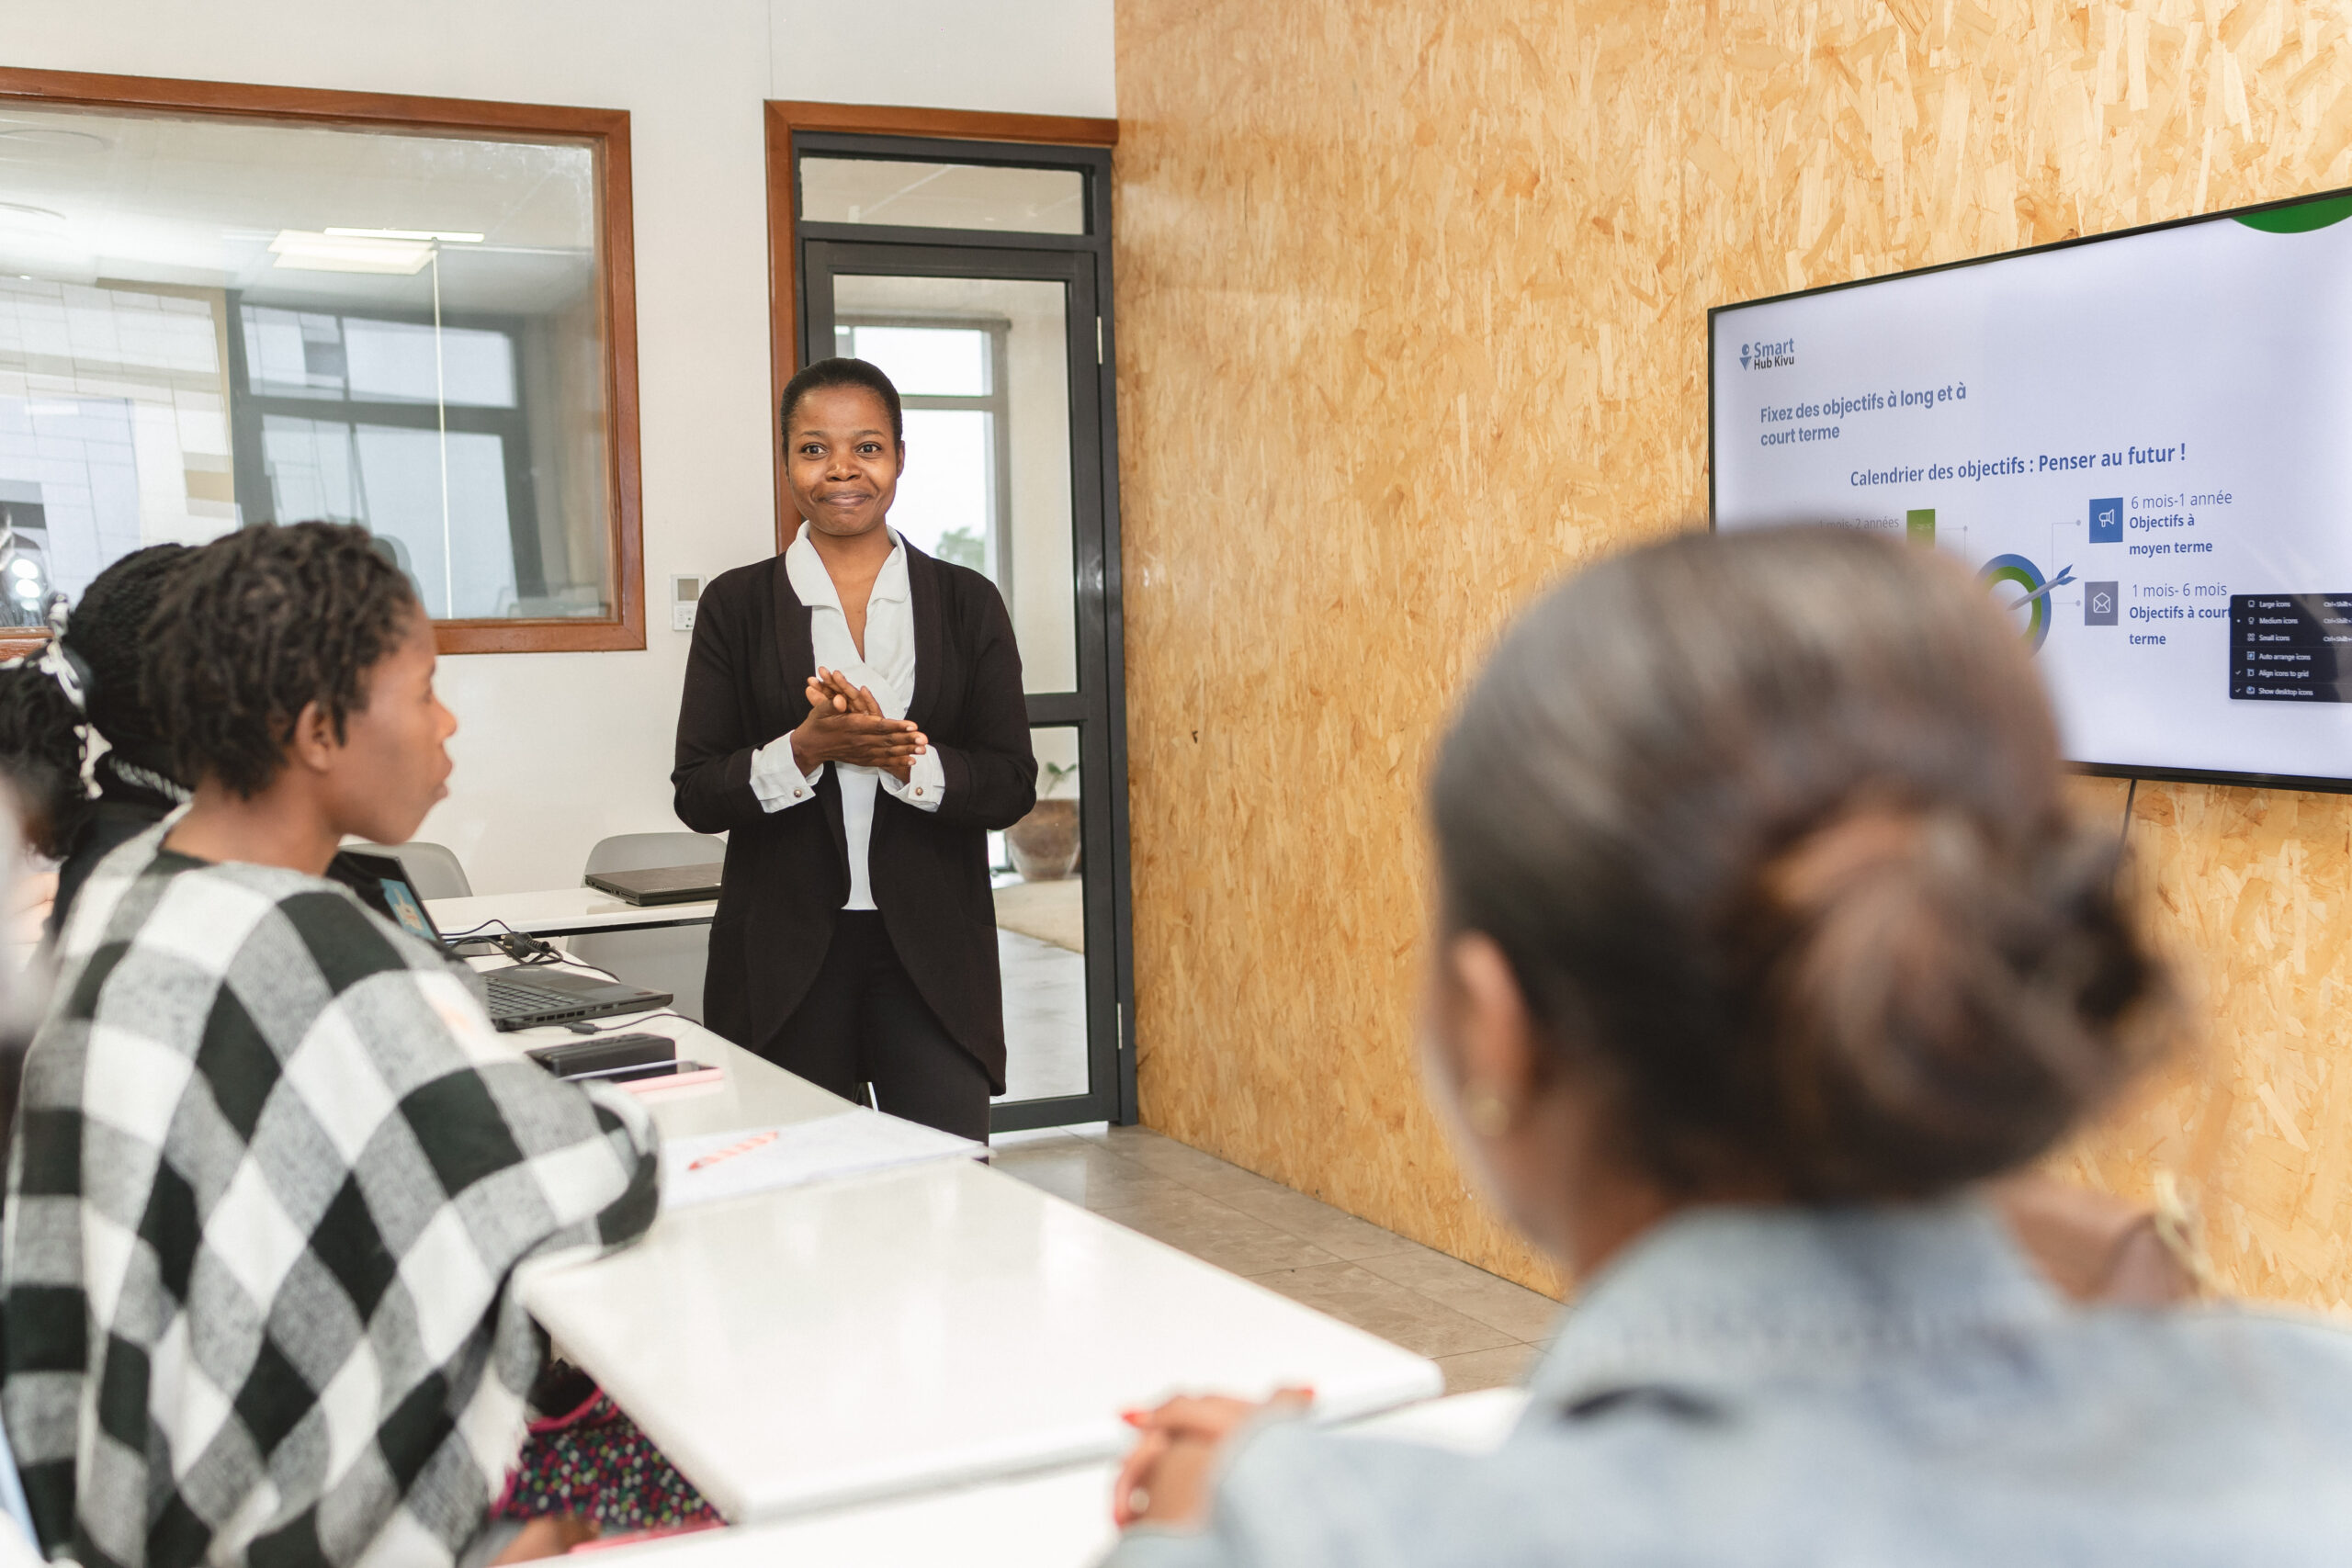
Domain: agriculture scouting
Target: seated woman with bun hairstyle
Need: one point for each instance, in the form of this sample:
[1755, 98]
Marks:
[1764, 940]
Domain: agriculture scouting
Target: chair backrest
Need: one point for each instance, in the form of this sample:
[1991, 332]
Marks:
[647, 852]
[433, 870]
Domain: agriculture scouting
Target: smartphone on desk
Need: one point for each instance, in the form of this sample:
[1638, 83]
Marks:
[663, 1074]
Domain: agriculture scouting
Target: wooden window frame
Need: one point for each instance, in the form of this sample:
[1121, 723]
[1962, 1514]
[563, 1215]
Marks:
[787, 118]
[606, 130]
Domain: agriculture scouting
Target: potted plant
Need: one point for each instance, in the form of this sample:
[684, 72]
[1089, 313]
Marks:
[1044, 843]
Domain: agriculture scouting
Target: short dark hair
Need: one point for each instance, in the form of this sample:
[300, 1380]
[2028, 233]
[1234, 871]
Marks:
[1773, 829]
[260, 624]
[41, 730]
[841, 373]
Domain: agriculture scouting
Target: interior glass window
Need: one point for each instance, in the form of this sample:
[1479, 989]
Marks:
[209, 321]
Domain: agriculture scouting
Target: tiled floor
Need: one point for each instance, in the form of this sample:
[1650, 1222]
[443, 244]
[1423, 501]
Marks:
[1482, 1329]
[1044, 1018]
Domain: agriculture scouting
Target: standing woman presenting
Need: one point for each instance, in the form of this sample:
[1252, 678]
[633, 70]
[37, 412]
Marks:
[853, 720]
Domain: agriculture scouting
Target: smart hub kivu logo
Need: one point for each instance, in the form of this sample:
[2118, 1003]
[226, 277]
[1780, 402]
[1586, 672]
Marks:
[1768, 355]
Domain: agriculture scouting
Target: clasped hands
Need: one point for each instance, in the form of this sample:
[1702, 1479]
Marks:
[1166, 1478]
[845, 724]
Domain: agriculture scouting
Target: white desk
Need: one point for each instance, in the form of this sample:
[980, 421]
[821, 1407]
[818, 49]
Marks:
[1061, 1519]
[910, 1330]
[1057, 1520]
[757, 1093]
[563, 911]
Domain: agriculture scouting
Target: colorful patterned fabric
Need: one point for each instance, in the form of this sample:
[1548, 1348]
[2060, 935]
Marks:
[596, 1465]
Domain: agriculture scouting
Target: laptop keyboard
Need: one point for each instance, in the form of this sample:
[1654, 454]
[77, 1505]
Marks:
[507, 999]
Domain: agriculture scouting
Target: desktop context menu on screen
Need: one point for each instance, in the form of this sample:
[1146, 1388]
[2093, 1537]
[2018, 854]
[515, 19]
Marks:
[2142, 446]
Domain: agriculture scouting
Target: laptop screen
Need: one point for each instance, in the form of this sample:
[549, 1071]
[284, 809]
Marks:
[383, 886]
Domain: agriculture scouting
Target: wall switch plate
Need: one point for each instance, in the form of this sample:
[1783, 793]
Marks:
[682, 617]
[686, 593]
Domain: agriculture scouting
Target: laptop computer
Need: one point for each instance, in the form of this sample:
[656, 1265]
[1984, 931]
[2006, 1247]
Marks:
[659, 884]
[523, 996]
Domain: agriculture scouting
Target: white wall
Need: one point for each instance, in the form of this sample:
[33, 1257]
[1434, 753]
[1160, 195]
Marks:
[1013, 56]
[557, 751]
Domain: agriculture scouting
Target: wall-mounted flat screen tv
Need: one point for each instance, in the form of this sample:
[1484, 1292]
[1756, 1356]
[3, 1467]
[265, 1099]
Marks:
[2141, 442]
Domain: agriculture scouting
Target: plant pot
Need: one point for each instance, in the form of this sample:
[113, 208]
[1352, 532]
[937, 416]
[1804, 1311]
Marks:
[1045, 842]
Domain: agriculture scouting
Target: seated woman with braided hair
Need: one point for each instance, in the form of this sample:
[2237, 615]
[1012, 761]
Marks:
[91, 677]
[1763, 937]
[274, 1170]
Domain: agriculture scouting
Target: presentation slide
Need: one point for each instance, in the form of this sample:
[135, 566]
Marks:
[2142, 446]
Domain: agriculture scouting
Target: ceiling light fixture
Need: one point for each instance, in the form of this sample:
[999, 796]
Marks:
[444, 236]
[300, 250]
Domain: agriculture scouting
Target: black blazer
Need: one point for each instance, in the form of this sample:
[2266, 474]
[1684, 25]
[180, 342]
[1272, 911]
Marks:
[787, 872]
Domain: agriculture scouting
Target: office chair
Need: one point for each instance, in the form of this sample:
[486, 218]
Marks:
[433, 870]
[668, 958]
[644, 851]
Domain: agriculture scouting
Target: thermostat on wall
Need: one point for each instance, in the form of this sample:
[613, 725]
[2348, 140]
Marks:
[684, 592]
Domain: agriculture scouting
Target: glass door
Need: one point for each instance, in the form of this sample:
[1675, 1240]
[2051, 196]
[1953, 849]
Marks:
[995, 352]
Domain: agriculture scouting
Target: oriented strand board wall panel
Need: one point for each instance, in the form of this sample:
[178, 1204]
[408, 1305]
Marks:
[1412, 300]
[2248, 890]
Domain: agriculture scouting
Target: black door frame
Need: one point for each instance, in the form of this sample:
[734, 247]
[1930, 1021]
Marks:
[1098, 708]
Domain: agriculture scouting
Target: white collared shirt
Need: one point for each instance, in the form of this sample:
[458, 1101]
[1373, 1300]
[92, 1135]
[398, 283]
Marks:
[887, 668]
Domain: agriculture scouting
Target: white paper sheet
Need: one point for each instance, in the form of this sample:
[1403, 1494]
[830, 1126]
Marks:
[755, 1159]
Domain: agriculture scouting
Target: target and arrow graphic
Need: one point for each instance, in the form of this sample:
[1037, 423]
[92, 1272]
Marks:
[2023, 573]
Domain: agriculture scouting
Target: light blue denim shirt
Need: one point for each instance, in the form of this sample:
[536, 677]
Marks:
[1876, 1387]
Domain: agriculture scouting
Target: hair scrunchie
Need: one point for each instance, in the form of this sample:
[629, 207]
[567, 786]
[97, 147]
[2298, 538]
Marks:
[59, 663]
[72, 674]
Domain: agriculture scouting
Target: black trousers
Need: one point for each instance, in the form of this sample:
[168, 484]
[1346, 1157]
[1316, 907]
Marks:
[864, 1022]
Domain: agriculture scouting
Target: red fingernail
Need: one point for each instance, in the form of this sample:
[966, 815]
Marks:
[1132, 1417]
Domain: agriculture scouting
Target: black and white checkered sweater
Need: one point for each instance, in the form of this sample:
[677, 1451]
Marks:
[272, 1175]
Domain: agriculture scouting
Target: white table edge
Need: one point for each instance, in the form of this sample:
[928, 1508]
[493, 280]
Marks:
[1422, 1380]
[1473, 1424]
[455, 914]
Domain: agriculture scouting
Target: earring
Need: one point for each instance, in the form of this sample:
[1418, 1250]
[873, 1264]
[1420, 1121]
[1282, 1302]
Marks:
[1486, 1111]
